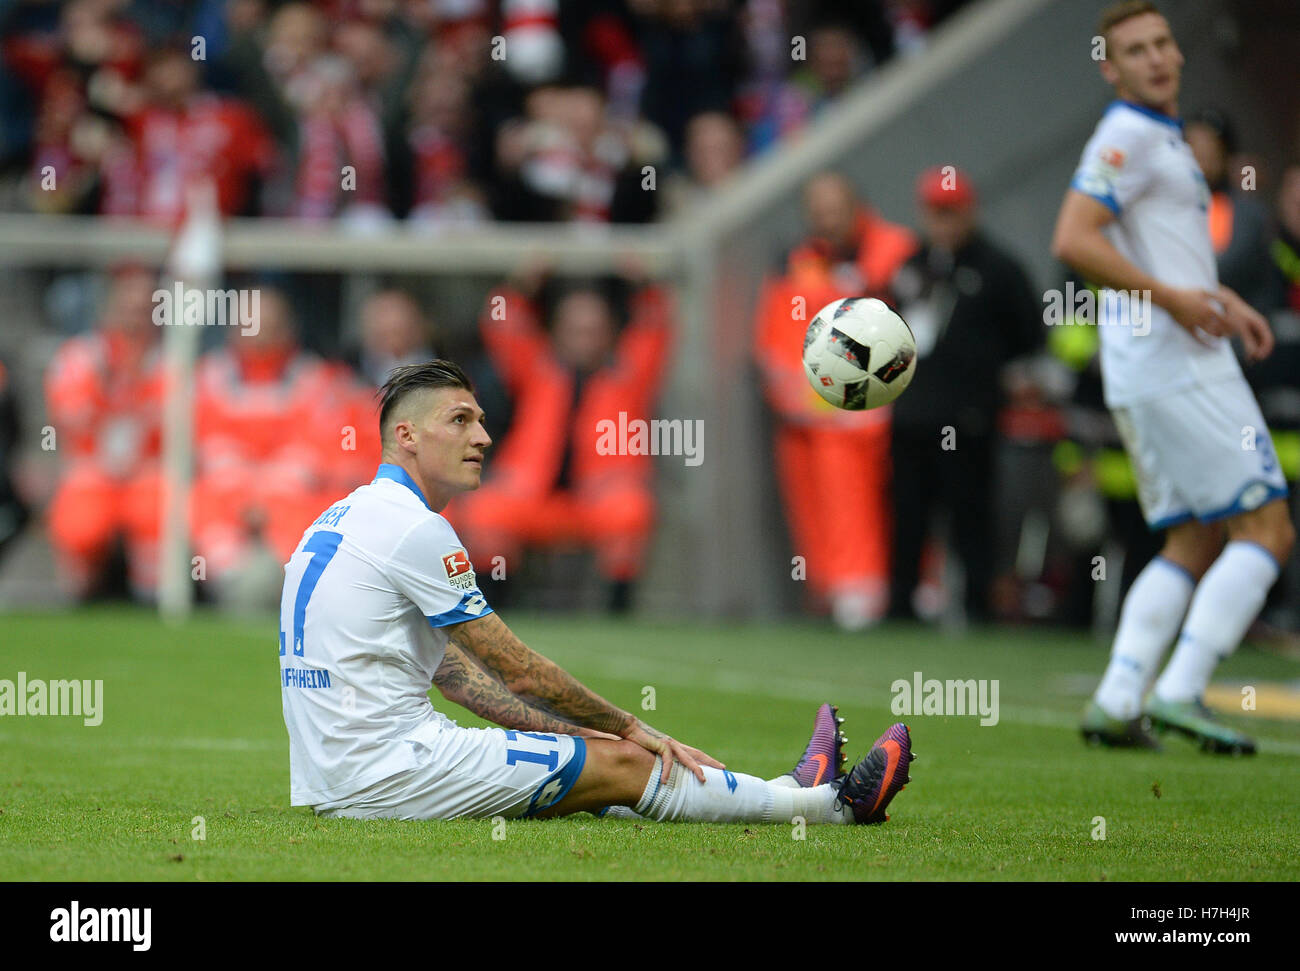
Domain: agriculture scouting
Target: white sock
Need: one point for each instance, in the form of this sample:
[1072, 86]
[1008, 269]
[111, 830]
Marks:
[732, 797]
[1148, 623]
[786, 781]
[1228, 598]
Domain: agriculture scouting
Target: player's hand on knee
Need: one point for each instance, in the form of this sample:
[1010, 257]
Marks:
[703, 758]
[670, 750]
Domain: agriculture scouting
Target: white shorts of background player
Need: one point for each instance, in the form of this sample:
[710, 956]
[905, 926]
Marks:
[1202, 452]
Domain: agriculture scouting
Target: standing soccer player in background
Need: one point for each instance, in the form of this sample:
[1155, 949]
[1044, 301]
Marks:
[1135, 221]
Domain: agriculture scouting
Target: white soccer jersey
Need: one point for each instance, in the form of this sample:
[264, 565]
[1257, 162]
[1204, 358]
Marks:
[367, 595]
[1139, 166]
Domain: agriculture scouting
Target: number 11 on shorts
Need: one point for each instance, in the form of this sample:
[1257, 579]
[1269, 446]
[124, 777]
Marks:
[514, 756]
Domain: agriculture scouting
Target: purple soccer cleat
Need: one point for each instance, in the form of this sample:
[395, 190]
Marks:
[823, 759]
[879, 777]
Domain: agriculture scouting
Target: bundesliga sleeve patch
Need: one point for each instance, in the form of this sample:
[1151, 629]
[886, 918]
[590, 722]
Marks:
[1099, 175]
[460, 574]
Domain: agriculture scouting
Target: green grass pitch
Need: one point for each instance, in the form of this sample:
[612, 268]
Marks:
[192, 728]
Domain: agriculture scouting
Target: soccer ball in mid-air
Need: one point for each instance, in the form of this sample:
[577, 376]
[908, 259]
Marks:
[858, 353]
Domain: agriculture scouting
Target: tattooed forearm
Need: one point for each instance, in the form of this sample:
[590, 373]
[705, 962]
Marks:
[462, 680]
[540, 681]
[652, 732]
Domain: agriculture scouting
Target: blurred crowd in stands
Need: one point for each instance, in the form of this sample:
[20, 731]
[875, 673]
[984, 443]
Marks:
[443, 111]
[436, 130]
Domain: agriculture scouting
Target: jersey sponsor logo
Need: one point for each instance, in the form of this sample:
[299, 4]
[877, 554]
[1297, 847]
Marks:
[1112, 158]
[460, 574]
[304, 678]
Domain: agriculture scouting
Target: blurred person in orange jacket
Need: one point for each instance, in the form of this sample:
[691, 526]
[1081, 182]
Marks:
[827, 459]
[272, 436]
[104, 396]
[550, 482]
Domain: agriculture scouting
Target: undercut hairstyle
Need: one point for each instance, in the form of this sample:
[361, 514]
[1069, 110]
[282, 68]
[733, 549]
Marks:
[410, 378]
[1117, 13]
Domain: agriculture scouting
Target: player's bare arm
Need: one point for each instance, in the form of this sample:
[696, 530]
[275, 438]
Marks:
[461, 679]
[531, 676]
[1079, 241]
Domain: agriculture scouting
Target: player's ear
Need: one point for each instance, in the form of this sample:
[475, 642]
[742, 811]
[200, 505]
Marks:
[404, 435]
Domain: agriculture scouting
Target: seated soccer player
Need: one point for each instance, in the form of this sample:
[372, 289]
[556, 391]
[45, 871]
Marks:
[380, 602]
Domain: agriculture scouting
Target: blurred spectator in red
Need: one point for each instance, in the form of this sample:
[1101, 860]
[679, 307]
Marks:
[601, 33]
[68, 146]
[534, 49]
[828, 459]
[1239, 226]
[438, 140]
[715, 149]
[104, 400]
[548, 482]
[972, 310]
[183, 134]
[271, 439]
[564, 162]
[92, 42]
[91, 60]
[340, 149]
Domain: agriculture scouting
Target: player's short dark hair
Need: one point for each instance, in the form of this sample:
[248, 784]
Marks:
[1117, 13]
[410, 378]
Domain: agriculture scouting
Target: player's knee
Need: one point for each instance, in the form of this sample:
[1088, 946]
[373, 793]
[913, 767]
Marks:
[1194, 557]
[629, 760]
[1270, 527]
[1282, 539]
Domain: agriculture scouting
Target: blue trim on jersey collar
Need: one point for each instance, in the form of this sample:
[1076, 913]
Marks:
[398, 474]
[1149, 112]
